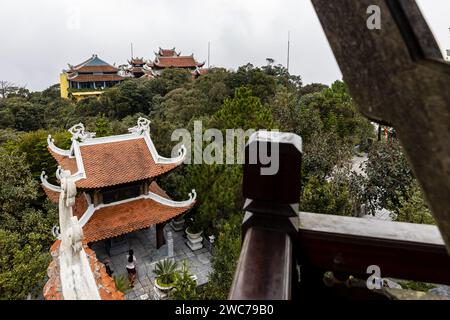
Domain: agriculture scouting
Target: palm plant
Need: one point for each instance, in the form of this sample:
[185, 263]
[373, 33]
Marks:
[122, 284]
[166, 271]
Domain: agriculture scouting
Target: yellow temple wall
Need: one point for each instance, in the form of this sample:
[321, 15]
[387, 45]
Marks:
[64, 85]
[81, 95]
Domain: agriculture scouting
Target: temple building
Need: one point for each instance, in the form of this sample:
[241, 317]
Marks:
[115, 178]
[169, 58]
[137, 67]
[88, 78]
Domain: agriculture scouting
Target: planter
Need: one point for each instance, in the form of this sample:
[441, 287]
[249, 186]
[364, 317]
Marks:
[195, 240]
[192, 235]
[177, 224]
[163, 287]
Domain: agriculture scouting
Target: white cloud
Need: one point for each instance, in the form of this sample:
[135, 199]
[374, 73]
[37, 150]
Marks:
[40, 37]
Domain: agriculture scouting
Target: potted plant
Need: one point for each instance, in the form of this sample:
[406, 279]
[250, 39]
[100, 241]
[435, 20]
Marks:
[165, 271]
[194, 233]
[196, 223]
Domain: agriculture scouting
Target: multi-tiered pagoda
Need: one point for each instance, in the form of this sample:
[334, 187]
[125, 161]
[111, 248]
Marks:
[138, 68]
[169, 58]
[88, 78]
[115, 180]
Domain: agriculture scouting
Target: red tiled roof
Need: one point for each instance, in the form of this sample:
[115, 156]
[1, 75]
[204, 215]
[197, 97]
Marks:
[80, 206]
[113, 163]
[65, 162]
[81, 203]
[155, 188]
[105, 284]
[119, 219]
[167, 52]
[119, 162]
[199, 72]
[106, 68]
[137, 61]
[96, 77]
[177, 62]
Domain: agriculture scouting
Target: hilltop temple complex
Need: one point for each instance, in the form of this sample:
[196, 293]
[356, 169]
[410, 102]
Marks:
[114, 193]
[93, 76]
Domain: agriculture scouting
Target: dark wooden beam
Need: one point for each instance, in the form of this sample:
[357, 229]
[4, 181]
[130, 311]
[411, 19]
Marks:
[266, 263]
[160, 238]
[349, 245]
[264, 268]
[397, 76]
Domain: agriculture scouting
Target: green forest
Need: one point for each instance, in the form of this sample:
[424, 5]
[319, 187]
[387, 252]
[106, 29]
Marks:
[327, 119]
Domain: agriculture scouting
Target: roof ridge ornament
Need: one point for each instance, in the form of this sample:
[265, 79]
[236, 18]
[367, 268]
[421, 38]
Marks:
[79, 133]
[192, 195]
[143, 125]
[45, 183]
[54, 148]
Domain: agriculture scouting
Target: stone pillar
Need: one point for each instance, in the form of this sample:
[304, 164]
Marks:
[169, 245]
[160, 240]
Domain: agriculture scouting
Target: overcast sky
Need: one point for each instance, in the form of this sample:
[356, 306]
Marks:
[39, 37]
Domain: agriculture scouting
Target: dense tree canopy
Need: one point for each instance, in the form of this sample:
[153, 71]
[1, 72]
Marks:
[249, 98]
[25, 229]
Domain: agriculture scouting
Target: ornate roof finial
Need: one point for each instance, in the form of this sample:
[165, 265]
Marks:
[143, 125]
[78, 133]
[192, 195]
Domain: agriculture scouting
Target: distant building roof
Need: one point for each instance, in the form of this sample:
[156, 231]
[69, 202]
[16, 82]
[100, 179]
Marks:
[95, 77]
[91, 65]
[167, 52]
[199, 72]
[177, 62]
[136, 61]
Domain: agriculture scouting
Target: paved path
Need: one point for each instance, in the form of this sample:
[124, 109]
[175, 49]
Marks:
[143, 243]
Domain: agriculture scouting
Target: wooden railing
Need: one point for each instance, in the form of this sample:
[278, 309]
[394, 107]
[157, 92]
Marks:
[278, 240]
[385, 71]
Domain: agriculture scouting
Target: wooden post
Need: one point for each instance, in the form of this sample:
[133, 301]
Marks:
[385, 71]
[266, 267]
[160, 239]
[97, 197]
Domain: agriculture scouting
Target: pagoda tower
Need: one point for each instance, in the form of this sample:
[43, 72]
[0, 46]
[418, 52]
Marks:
[115, 181]
[138, 68]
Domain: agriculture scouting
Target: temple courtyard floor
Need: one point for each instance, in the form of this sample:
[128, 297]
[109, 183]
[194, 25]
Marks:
[143, 243]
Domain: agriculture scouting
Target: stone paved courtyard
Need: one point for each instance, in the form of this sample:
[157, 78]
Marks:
[143, 243]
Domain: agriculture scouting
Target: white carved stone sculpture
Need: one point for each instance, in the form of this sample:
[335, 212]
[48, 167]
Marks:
[77, 279]
[79, 133]
[143, 124]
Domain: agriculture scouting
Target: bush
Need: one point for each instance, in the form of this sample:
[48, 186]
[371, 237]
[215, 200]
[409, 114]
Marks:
[185, 285]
